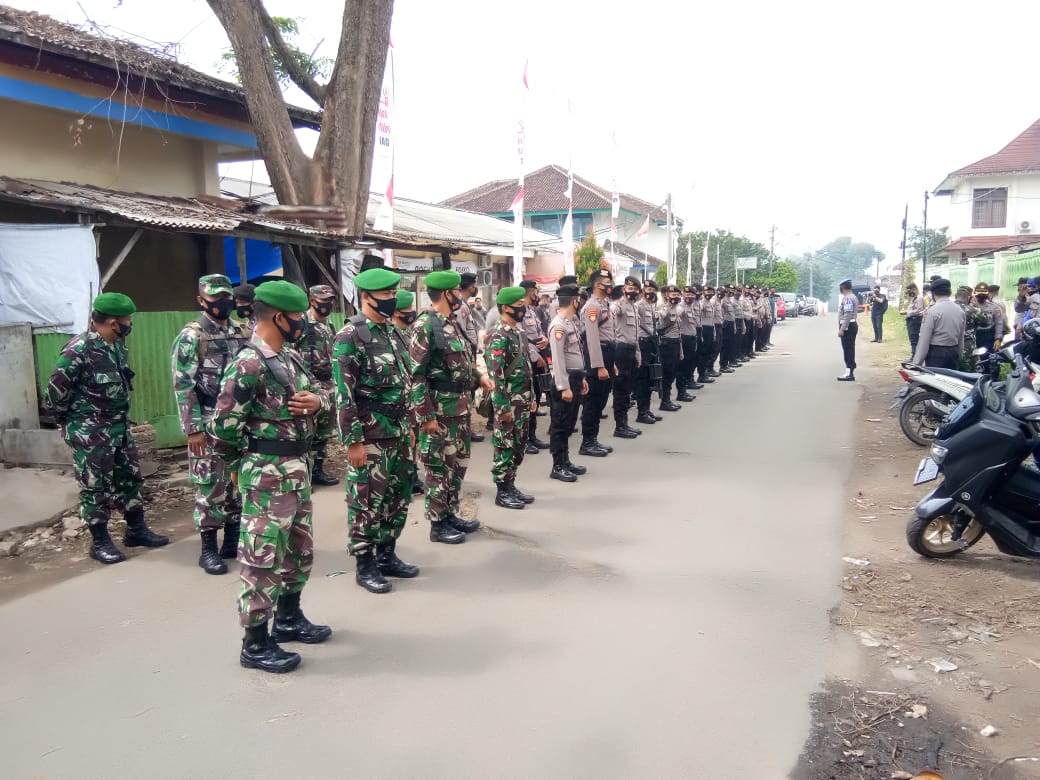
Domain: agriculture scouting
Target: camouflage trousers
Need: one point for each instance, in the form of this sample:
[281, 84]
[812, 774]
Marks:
[378, 494]
[969, 361]
[275, 549]
[109, 476]
[445, 458]
[324, 425]
[509, 441]
[217, 501]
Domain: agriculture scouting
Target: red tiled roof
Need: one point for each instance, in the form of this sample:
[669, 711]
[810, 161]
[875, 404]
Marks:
[544, 191]
[983, 244]
[1022, 155]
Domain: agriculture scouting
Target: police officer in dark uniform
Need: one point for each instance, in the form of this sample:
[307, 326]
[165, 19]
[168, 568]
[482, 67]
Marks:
[650, 366]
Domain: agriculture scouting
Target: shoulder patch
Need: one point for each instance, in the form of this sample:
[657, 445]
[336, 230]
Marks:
[559, 334]
[593, 313]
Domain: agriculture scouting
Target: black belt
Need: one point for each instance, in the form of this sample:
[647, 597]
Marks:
[297, 448]
[393, 411]
[444, 386]
[622, 346]
[611, 344]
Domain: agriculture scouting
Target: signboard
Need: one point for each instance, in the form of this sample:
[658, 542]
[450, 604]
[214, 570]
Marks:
[747, 263]
[427, 264]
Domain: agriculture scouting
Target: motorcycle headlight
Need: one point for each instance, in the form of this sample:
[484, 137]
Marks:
[939, 453]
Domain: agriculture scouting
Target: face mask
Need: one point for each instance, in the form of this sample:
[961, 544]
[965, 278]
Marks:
[519, 312]
[632, 296]
[673, 301]
[385, 307]
[323, 309]
[453, 301]
[124, 329]
[652, 297]
[296, 329]
[244, 312]
[688, 300]
[220, 310]
[408, 317]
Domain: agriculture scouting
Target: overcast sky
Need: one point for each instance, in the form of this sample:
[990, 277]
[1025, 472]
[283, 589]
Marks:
[823, 118]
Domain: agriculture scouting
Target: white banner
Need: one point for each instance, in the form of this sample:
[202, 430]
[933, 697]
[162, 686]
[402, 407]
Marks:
[382, 180]
[747, 263]
[48, 276]
[427, 264]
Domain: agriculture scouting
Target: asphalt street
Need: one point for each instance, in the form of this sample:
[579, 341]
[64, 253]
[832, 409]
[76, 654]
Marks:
[665, 617]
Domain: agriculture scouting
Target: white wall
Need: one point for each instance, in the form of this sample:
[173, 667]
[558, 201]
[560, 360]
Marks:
[1023, 205]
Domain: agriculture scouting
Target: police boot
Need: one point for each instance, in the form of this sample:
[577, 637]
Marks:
[646, 418]
[531, 449]
[229, 547]
[578, 471]
[714, 374]
[519, 494]
[506, 499]
[622, 431]
[418, 487]
[138, 534]
[590, 448]
[542, 445]
[210, 559]
[466, 526]
[705, 379]
[102, 548]
[696, 386]
[260, 651]
[442, 531]
[291, 625]
[319, 475]
[392, 566]
[560, 471]
[666, 403]
[684, 396]
[368, 575]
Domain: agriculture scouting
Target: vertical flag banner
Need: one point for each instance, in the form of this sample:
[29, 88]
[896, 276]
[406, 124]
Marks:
[518, 202]
[704, 261]
[644, 229]
[689, 259]
[382, 180]
[568, 226]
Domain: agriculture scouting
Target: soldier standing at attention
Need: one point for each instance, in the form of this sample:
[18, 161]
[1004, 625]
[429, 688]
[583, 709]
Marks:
[404, 318]
[706, 354]
[509, 366]
[718, 318]
[372, 386]
[847, 329]
[200, 354]
[689, 328]
[569, 376]
[671, 344]
[262, 428]
[649, 355]
[626, 356]
[89, 393]
[315, 347]
[538, 348]
[468, 329]
[444, 375]
[599, 340]
[727, 360]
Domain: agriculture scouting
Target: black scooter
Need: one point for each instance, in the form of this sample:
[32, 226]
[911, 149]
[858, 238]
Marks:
[986, 488]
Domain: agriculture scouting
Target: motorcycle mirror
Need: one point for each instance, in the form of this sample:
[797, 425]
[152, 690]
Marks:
[980, 352]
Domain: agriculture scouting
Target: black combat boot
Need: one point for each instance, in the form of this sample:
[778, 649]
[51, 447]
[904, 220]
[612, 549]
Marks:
[260, 651]
[590, 448]
[138, 534]
[714, 373]
[442, 531]
[646, 418]
[392, 566]
[622, 431]
[603, 446]
[418, 487]
[695, 385]
[705, 379]
[560, 471]
[519, 493]
[319, 476]
[210, 559]
[542, 445]
[666, 403]
[229, 547]
[531, 449]
[684, 397]
[102, 548]
[477, 437]
[456, 522]
[578, 471]
[507, 499]
[368, 575]
[291, 625]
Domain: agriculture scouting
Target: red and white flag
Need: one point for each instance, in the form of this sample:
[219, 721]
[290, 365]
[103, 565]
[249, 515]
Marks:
[644, 230]
[517, 206]
[382, 179]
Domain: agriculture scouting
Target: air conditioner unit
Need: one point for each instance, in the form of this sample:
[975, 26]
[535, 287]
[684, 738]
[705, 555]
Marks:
[484, 279]
[1025, 226]
[484, 261]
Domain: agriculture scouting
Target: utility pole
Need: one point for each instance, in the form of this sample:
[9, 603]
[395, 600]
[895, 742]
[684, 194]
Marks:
[718, 248]
[812, 261]
[924, 243]
[772, 241]
[906, 214]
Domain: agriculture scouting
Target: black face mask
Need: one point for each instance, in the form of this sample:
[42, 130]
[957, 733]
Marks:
[454, 301]
[652, 297]
[219, 310]
[296, 329]
[673, 301]
[323, 309]
[408, 317]
[244, 312]
[124, 329]
[632, 296]
[518, 312]
[688, 300]
[385, 306]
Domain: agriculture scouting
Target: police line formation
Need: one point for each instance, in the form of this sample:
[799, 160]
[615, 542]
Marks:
[260, 398]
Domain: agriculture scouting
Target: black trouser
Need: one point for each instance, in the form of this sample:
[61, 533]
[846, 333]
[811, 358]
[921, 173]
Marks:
[762, 337]
[943, 357]
[563, 416]
[669, 366]
[729, 337]
[644, 384]
[624, 382]
[848, 345]
[706, 354]
[986, 337]
[876, 320]
[599, 394]
[688, 363]
[749, 337]
[532, 419]
[913, 330]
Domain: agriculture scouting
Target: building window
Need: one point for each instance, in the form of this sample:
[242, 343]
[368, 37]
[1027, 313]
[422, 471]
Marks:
[553, 223]
[989, 208]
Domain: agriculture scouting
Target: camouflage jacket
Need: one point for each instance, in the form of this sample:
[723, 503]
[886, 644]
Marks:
[443, 374]
[402, 337]
[200, 355]
[507, 347]
[89, 389]
[371, 373]
[253, 404]
[315, 347]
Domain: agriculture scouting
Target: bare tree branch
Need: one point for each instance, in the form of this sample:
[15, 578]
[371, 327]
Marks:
[299, 75]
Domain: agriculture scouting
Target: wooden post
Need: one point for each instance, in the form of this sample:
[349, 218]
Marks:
[240, 257]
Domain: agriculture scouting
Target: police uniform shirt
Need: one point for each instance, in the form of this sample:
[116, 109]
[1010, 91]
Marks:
[532, 328]
[846, 311]
[566, 350]
[728, 309]
[689, 319]
[647, 319]
[668, 321]
[599, 328]
[467, 324]
[626, 322]
[943, 326]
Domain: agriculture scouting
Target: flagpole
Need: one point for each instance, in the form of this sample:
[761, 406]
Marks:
[518, 203]
[717, 280]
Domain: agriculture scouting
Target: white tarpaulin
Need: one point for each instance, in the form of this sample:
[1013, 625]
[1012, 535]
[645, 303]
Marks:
[48, 276]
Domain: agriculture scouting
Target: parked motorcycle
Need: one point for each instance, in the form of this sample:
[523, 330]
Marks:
[980, 450]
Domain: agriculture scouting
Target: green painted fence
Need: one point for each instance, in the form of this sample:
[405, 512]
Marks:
[1027, 264]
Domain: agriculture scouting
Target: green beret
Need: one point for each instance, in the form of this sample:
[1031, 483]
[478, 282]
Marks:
[510, 295]
[405, 299]
[443, 280]
[377, 279]
[284, 296]
[214, 284]
[114, 305]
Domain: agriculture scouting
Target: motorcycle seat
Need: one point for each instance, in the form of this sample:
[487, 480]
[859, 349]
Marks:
[965, 376]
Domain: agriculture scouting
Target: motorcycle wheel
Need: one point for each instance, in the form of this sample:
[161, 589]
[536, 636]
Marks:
[914, 419]
[931, 538]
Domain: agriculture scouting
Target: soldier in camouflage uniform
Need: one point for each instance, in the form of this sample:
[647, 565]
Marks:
[404, 318]
[508, 361]
[443, 374]
[89, 394]
[262, 428]
[316, 350]
[973, 319]
[245, 294]
[371, 371]
[200, 354]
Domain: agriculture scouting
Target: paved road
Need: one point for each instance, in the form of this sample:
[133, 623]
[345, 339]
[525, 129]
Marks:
[666, 617]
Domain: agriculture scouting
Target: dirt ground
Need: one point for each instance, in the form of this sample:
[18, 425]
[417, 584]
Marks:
[936, 651]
